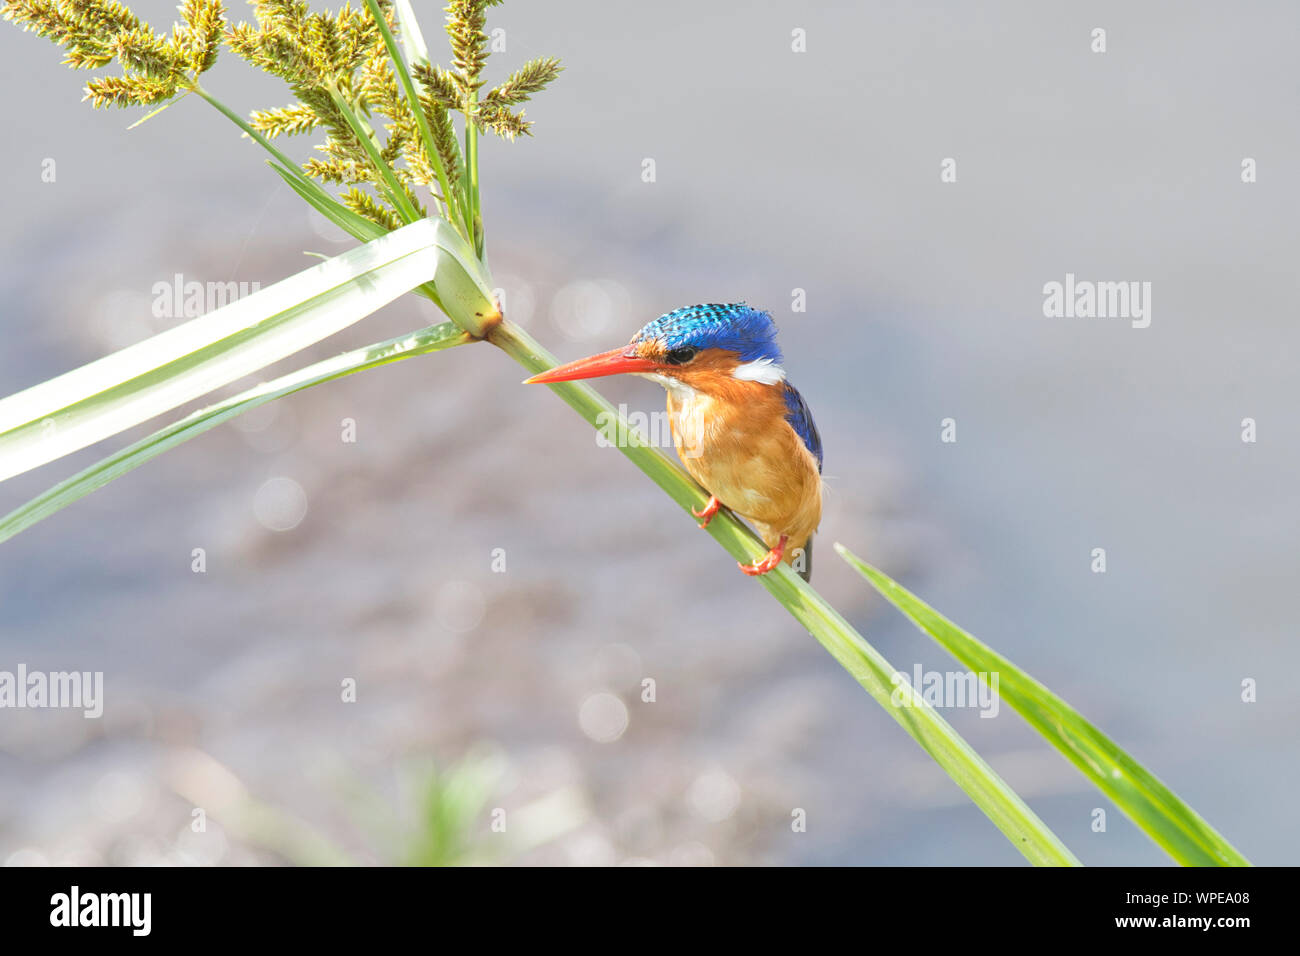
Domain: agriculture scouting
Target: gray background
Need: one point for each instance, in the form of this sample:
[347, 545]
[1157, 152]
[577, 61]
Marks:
[775, 171]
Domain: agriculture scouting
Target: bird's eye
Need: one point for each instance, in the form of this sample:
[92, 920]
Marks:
[681, 356]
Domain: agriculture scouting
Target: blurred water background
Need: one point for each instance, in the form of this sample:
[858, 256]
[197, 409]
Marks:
[775, 171]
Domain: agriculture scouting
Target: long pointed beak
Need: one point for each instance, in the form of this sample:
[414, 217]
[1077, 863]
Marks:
[613, 362]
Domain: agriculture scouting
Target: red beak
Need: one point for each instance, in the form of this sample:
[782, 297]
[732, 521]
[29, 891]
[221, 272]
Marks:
[613, 362]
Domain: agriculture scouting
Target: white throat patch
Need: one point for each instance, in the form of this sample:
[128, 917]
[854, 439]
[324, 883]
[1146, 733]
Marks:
[760, 370]
[679, 389]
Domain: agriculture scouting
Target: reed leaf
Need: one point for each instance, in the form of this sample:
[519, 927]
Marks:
[1158, 811]
[432, 339]
[142, 381]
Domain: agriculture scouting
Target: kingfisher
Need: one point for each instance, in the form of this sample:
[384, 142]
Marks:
[742, 431]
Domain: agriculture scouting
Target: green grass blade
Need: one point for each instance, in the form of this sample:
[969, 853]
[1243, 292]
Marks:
[357, 226]
[354, 224]
[365, 134]
[463, 286]
[416, 52]
[433, 339]
[413, 45]
[1156, 809]
[304, 185]
[119, 391]
[986, 789]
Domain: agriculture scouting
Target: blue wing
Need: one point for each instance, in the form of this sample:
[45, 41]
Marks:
[800, 418]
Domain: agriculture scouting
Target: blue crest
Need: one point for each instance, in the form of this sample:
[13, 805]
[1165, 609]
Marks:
[735, 327]
[750, 333]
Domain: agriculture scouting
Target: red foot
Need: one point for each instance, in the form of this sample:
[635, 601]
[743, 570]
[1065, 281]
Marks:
[768, 562]
[710, 509]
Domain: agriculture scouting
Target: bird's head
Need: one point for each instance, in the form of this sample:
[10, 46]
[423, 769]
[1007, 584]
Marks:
[700, 347]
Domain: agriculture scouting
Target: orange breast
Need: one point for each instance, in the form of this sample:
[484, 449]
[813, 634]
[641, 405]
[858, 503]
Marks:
[734, 440]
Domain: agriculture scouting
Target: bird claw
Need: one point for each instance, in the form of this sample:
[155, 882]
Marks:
[762, 566]
[710, 509]
[767, 562]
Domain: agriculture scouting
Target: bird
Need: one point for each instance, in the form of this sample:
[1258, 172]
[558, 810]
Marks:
[741, 430]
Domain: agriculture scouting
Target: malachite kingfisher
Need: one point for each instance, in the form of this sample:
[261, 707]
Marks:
[742, 431]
